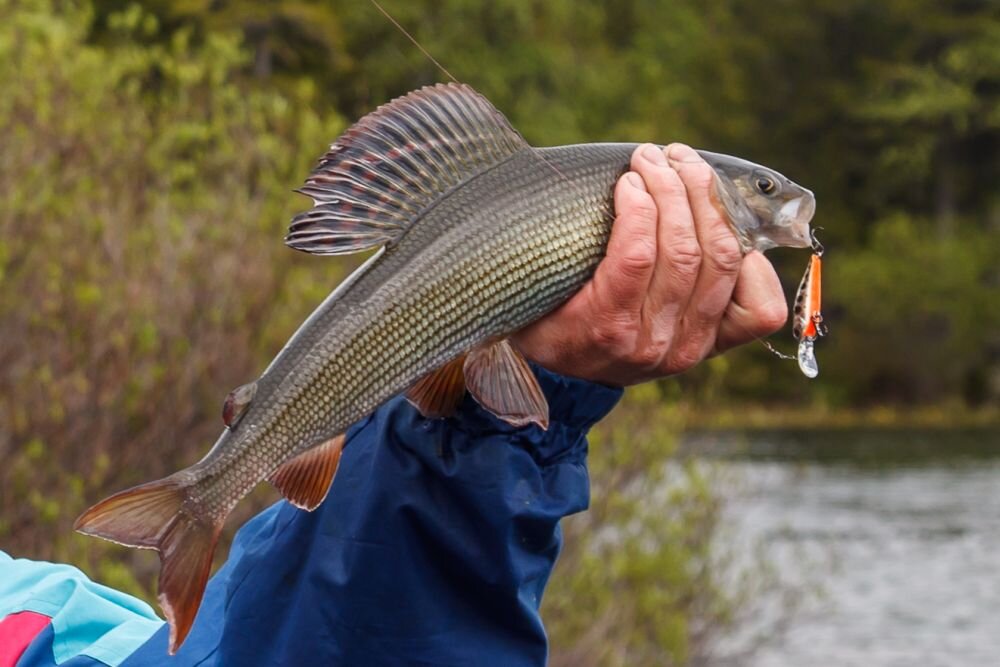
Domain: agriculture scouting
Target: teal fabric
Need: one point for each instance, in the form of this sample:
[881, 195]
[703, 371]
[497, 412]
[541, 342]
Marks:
[87, 618]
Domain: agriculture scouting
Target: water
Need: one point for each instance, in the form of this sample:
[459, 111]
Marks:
[885, 548]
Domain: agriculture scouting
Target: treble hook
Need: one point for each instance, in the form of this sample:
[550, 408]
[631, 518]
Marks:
[821, 328]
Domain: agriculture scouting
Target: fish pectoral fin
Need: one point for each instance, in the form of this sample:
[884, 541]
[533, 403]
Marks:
[437, 394]
[305, 480]
[395, 163]
[499, 378]
[155, 516]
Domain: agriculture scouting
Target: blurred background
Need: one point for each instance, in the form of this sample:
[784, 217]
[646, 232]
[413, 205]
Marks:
[741, 514]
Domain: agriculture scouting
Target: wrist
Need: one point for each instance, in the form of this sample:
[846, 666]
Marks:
[575, 405]
[574, 402]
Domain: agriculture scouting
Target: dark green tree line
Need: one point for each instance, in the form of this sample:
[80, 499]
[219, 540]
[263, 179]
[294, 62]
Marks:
[888, 110]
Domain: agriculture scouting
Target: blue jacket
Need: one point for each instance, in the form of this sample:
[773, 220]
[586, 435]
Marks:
[433, 548]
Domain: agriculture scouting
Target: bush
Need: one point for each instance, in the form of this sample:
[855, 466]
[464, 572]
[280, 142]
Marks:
[145, 191]
[639, 581]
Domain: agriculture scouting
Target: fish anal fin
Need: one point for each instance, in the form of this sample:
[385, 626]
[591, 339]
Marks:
[395, 163]
[437, 394]
[499, 378]
[305, 480]
[156, 516]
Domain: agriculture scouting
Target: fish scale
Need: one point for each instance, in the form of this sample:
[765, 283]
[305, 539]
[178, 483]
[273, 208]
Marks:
[479, 235]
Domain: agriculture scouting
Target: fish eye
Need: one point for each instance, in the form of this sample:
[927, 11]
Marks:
[765, 185]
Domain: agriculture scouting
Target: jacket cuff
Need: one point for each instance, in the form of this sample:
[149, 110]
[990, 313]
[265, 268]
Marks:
[574, 406]
[575, 403]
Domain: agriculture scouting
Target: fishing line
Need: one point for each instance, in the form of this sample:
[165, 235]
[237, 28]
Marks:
[441, 67]
[413, 39]
[761, 339]
[778, 353]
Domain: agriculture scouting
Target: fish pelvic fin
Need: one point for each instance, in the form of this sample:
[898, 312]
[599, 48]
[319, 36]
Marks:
[438, 394]
[157, 516]
[305, 480]
[499, 378]
[386, 170]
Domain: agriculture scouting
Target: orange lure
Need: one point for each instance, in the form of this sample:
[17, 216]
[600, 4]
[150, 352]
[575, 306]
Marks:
[808, 318]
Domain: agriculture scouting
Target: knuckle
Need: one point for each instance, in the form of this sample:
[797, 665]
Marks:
[686, 255]
[645, 357]
[613, 337]
[649, 354]
[685, 357]
[639, 258]
[725, 251]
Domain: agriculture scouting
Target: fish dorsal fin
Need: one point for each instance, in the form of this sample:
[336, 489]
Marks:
[438, 394]
[501, 381]
[305, 480]
[237, 402]
[395, 163]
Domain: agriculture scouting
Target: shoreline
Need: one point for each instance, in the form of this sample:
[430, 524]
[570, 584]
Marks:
[761, 417]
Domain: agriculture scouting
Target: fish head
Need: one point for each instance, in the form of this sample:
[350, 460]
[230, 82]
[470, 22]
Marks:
[765, 208]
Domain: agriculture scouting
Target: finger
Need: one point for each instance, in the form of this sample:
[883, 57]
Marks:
[758, 307]
[622, 278]
[678, 253]
[605, 314]
[720, 265]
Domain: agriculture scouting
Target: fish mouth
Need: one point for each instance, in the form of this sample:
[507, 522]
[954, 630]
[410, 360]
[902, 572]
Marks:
[793, 219]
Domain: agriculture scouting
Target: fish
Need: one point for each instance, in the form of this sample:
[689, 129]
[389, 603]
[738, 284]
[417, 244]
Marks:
[476, 234]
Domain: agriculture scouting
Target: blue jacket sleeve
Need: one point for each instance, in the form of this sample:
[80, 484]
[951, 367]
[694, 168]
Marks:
[433, 547]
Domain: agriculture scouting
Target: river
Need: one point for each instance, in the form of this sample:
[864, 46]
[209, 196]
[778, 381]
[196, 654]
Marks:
[883, 547]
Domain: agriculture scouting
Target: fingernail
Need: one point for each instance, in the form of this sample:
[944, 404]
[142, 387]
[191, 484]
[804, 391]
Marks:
[654, 155]
[635, 180]
[679, 152]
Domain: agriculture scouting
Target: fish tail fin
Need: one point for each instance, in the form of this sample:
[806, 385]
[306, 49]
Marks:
[157, 516]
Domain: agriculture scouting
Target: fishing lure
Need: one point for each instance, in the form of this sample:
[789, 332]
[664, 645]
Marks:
[808, 322]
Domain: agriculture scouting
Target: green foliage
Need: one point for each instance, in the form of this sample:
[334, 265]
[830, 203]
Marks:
[905, 314]
[145, 192]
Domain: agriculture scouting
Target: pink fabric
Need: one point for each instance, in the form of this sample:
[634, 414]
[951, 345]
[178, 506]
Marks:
[17, 631]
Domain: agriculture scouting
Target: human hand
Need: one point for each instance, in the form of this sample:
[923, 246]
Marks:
[673, 289]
